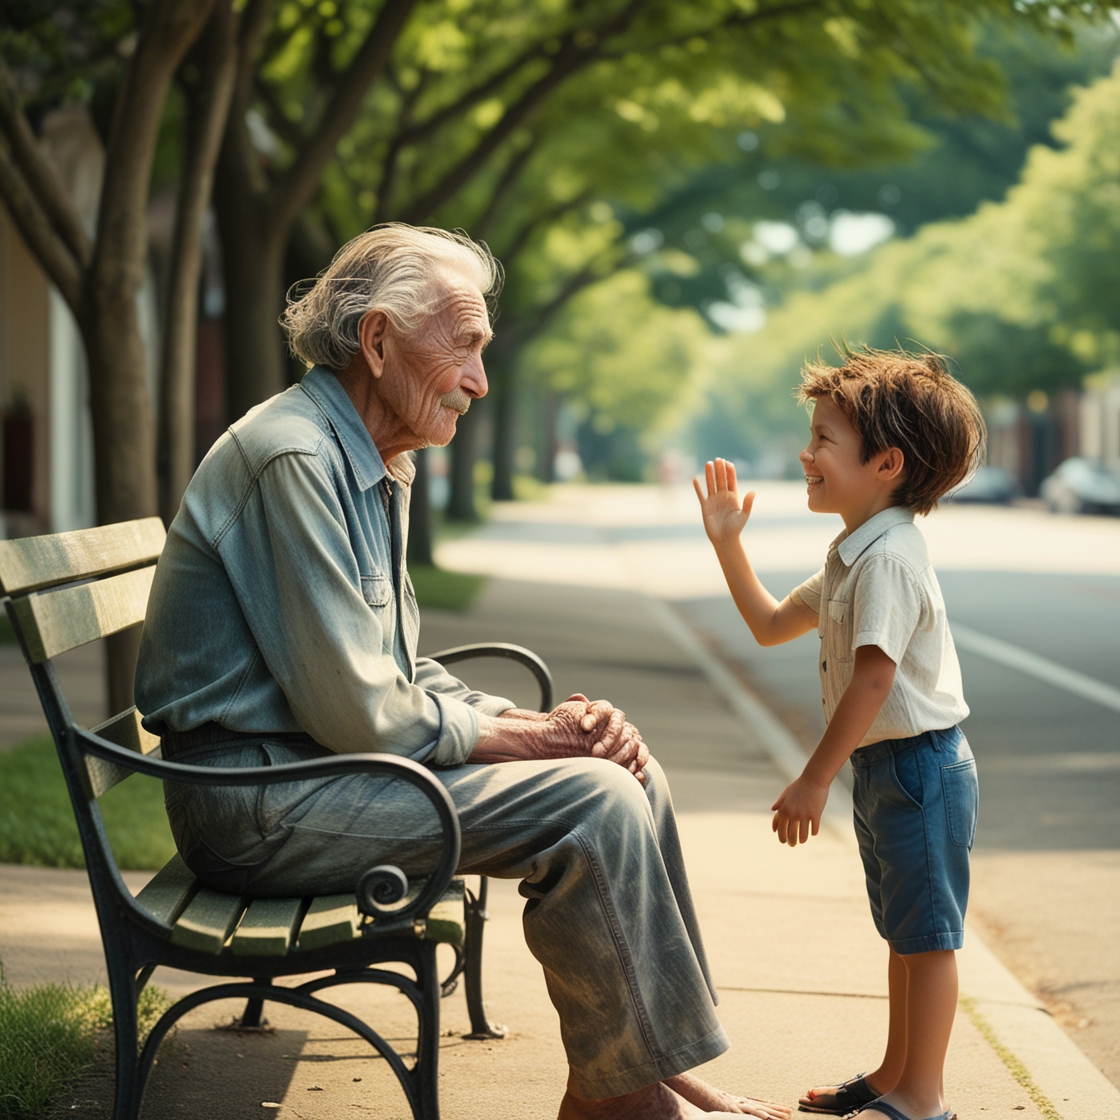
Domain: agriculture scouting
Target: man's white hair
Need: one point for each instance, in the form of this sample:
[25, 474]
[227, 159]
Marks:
[396, 268]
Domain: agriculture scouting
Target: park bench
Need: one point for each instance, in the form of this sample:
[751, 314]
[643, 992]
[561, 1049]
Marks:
[68, 589]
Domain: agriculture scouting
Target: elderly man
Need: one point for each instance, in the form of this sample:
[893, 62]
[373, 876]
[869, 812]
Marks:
[285, 627]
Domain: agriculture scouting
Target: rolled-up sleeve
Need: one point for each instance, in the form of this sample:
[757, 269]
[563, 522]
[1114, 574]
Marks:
[298, 582]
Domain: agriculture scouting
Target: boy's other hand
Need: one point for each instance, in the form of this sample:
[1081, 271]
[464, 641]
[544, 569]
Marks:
[724, 514]
[797, 813]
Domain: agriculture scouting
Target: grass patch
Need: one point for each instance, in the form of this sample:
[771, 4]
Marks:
[37, 822]
[49, 1036]
[446, 591]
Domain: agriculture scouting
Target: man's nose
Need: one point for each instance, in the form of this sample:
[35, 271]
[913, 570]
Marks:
[806, 456]
[474, 382]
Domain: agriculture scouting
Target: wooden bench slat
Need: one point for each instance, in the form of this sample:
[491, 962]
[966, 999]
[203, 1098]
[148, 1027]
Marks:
[166, 895]
[330, 918]
[53, 622]
[268, 927]
[126, 731]
[29, 563]
[206, 922]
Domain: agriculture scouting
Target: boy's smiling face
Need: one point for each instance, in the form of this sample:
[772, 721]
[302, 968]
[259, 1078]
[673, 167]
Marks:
[837, 481]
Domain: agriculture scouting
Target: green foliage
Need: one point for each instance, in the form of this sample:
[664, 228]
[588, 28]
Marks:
[37, 821]
[48, 1036]
[618, 353]
[443, 590]
[1021, 294]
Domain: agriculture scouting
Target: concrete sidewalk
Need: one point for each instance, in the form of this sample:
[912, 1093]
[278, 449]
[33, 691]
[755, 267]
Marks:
[800, 969]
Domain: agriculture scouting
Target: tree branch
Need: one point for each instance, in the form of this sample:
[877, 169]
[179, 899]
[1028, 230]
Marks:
[390, 165]
[297, 186]
[39, 175]
[504, 186]
[578, 49]
[48, 247]
[522, 237]
[164, 39]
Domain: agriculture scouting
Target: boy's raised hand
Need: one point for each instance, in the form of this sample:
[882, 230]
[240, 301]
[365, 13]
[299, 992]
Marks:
[724, 515]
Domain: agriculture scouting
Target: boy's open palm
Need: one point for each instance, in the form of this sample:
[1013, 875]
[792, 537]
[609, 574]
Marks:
[724, 515]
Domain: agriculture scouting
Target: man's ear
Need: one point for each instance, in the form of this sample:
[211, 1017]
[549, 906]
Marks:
[891, 465]
[372, 329]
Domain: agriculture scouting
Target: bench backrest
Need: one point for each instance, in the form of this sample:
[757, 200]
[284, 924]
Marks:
[65, 590]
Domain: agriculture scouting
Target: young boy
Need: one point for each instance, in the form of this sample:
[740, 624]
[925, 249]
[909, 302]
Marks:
[891, 433]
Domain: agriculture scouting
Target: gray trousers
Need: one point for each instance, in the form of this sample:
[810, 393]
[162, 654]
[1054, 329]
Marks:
[608, 913]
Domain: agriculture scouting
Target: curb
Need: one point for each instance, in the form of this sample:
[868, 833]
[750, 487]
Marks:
[1061, 1081]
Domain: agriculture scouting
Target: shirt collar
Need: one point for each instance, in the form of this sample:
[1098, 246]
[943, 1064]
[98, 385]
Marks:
[361, 452]
[851, 545]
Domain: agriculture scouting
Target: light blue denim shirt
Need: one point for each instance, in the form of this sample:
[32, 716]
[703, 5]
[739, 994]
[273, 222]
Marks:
[281, 602]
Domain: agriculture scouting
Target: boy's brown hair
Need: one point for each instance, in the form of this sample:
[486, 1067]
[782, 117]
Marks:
[909, 401]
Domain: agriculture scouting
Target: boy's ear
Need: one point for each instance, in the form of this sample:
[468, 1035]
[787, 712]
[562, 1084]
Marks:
[891, 465]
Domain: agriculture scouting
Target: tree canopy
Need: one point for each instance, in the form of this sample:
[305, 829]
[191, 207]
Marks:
[1021, 294]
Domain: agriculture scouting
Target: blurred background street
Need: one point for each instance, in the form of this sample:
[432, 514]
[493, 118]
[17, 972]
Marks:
[1017, 580]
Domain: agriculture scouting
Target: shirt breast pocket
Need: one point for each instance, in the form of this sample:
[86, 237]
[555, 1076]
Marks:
[377, 590]
[836, 622]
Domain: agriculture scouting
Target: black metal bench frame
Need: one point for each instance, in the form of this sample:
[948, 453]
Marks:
[135, 942]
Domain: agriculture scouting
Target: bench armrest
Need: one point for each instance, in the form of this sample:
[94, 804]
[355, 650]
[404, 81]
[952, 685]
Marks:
[372, 900]
[520, 654]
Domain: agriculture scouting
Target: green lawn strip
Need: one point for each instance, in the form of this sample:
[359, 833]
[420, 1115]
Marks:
[37, 822]
[443, 590]
[48, 1036]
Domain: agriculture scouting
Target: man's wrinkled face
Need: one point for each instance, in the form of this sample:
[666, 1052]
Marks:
[438, 370]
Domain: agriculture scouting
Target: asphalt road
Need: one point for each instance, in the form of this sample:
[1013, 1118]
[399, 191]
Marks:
[1044, 589]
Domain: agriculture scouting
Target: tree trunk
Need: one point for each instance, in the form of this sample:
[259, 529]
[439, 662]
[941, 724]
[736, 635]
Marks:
[420, 515]
[208, 105]
[124, 446]
[550, 444]
[464, 451]
[505, 432]
[252, 262]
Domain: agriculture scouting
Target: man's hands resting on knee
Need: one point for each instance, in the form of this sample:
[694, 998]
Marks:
[577, 728]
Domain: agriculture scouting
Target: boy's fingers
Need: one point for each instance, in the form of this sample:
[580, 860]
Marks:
[732, 481]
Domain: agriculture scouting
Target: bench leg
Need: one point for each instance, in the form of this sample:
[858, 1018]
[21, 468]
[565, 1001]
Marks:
[481, 1027]
[122, 990]
[252, 1015]
[426, 1070]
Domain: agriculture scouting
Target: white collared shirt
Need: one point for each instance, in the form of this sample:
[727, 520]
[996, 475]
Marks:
[878, 588]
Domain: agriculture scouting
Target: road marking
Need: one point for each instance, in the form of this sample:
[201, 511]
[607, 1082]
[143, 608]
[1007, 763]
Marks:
[1041, 668]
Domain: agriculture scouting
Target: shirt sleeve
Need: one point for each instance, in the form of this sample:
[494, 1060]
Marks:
[886, 605]
[297, 581]
[433, 677]
[808, 594]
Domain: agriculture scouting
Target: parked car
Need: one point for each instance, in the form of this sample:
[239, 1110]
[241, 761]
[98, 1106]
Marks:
[988, 484]
[1082, 486]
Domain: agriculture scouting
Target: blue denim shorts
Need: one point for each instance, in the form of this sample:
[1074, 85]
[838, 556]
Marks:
[915, 813]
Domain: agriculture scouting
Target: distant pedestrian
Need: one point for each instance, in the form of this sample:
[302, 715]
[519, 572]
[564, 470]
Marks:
[891, 434]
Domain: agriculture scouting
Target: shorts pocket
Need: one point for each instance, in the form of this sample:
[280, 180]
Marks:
[907, 774]
[962, 801]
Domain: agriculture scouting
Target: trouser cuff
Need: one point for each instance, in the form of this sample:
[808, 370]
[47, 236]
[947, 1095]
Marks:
[597, 1087]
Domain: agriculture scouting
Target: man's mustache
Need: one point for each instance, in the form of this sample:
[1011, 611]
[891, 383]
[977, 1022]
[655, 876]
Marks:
[456, 399]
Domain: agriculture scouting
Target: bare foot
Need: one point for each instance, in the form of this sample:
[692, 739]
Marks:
[654, 1102]
[710, 1099]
